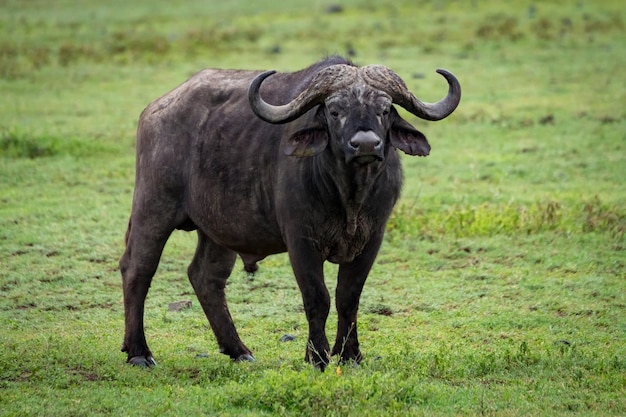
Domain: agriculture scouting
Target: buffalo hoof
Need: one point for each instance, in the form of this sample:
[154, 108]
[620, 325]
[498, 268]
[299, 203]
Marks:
[142, 361]
[319, 362]
[320, 366]
[246, 357]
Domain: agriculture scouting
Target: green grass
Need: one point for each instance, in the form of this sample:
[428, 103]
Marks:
[499, 289]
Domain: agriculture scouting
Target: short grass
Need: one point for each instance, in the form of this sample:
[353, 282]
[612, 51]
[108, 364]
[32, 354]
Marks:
[500, 289]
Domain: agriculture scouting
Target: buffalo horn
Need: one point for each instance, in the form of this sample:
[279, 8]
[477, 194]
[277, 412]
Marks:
[321, 86]
[384, 79]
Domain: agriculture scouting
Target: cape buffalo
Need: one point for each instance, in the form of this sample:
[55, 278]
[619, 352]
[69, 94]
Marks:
[315, 174]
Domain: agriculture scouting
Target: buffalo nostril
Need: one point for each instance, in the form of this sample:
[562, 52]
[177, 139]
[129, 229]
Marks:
[365, 141]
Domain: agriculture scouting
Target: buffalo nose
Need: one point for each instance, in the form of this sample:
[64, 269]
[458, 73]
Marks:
[365, 142]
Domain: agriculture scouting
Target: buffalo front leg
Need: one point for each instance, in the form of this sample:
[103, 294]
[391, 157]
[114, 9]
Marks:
[350, 281]
[308, 267]
[208, 272]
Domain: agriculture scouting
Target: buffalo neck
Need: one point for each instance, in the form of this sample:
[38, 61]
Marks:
[349, 184]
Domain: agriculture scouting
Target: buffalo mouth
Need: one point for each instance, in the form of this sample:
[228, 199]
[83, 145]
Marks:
[366, 159]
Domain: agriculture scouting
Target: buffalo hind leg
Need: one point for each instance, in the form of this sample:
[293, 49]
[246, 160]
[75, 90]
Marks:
[350, 281]
[211, 266]
[138, 265]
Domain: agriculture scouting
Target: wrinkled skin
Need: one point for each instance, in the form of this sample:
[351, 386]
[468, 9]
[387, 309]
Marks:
[319, 186]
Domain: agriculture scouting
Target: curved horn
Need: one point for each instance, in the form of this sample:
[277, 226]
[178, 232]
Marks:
[388, 81]
[323, 84]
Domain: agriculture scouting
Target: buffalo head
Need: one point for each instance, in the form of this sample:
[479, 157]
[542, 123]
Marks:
[356, 114]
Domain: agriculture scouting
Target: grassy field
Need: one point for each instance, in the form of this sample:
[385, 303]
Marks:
[500, 288]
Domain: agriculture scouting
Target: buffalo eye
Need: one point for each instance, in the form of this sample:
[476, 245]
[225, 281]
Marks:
[334, 113]
[383, 111]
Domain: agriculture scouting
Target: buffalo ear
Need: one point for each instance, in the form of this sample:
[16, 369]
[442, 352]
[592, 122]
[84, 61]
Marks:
[306, 142]
[409, 140]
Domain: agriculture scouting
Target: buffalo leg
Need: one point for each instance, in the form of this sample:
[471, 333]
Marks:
[138, 265]
[208, 272]
[350, 281]
[308, 267]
